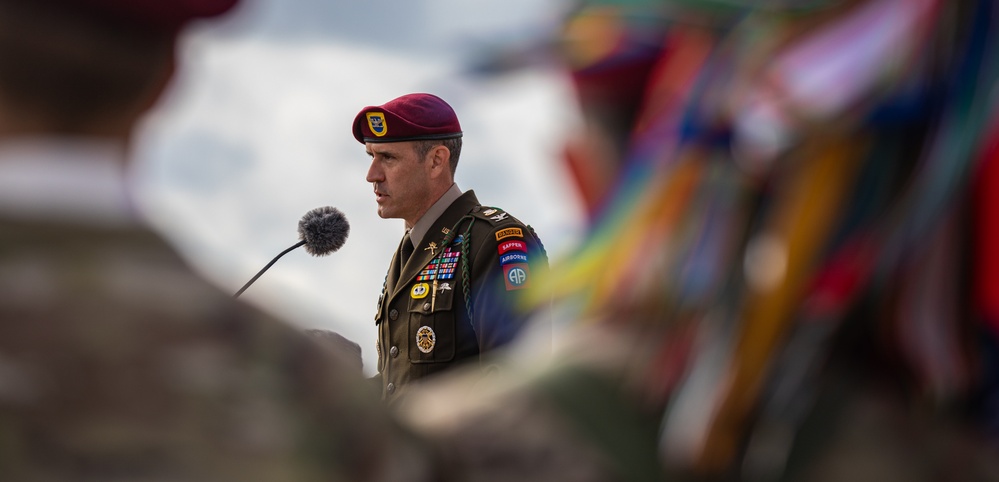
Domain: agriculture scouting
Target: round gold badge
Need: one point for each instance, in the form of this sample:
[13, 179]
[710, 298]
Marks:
[425, 339]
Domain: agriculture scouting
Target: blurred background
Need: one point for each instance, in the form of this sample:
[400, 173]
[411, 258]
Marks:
[791, 202]
[255, 132]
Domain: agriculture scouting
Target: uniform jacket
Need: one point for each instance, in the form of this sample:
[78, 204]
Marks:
[457, 296]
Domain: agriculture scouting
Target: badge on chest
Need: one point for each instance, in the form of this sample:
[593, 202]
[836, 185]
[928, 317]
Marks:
[425, 339]
[441, 267]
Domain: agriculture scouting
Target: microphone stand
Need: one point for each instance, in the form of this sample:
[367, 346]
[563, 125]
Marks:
[248, 283]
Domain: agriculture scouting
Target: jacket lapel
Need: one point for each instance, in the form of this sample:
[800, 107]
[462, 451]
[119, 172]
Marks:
[392, 280]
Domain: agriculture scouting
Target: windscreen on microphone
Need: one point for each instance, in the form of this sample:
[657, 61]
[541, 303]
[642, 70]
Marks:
[324, 230]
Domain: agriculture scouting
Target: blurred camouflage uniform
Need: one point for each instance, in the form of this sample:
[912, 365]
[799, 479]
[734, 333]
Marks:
[118, 362]
[348, 350]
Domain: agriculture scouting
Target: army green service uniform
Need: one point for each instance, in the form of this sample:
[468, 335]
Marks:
[456, 297]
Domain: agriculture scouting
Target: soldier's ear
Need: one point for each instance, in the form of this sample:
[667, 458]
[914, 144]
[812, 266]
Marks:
[440, 159]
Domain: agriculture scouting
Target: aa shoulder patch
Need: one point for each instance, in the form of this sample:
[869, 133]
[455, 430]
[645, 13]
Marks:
[516, 276]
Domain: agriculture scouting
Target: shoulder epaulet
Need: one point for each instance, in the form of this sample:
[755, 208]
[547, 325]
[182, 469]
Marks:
[505, 227]
[493, 215]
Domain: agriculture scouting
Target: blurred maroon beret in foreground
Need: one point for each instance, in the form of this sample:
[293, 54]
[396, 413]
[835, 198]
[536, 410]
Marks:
[408, 118]
[154, 14]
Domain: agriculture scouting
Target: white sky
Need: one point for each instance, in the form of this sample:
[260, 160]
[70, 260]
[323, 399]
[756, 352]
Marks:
[255, 132]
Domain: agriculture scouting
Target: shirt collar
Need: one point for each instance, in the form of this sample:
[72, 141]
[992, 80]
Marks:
[65, 179]
[423, 225]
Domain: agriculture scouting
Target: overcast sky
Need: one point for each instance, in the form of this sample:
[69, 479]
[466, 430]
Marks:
[255, 132]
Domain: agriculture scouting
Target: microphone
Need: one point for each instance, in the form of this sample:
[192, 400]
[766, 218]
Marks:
[322, 231]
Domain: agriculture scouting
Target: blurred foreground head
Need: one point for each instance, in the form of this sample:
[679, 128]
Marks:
[797, 200]
[89, 67]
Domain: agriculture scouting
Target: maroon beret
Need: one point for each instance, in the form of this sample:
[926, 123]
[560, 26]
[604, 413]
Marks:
[170, 15]
[411, 117]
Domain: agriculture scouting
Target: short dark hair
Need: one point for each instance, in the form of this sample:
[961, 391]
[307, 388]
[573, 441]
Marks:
[453, 145]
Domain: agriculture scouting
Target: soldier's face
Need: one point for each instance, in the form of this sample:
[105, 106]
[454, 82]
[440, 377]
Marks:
[401, 180]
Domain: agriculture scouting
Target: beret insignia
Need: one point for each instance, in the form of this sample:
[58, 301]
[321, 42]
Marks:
[377, 124]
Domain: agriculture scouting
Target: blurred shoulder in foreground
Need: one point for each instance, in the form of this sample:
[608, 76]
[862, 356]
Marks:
[117, 362]
[345, 350]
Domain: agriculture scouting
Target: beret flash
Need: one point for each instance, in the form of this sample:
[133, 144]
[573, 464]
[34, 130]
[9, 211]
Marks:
[408, 118]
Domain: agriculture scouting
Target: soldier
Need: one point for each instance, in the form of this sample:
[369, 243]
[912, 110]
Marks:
[452, 287]
[117, 362]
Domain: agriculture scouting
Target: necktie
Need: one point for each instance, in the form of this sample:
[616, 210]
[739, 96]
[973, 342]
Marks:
[405, 251]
